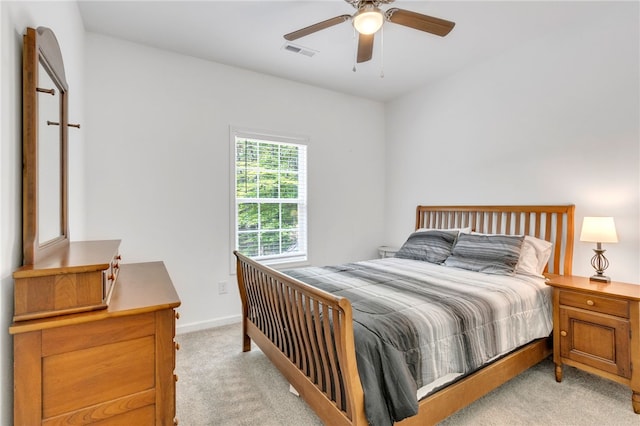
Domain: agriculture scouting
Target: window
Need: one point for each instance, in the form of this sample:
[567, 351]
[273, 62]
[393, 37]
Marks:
[270, 192]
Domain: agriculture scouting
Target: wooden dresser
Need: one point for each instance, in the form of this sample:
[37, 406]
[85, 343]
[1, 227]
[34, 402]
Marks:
[112, 366]
[597, 329]
[93, 339]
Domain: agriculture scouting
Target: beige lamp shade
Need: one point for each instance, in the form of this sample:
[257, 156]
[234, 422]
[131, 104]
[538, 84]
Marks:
[599, 230]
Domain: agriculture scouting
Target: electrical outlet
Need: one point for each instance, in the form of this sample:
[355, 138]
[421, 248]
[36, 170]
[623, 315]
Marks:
[222, 287]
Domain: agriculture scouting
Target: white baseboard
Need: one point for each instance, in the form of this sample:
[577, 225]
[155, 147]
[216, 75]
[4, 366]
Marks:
[203, 325]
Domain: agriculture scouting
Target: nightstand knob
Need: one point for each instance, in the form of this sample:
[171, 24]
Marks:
[590, 302]
[563, 333]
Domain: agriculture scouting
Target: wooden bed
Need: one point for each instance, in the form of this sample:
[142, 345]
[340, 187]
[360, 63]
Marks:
[318, 356]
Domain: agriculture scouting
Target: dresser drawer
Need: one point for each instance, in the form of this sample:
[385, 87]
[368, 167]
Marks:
[97, 333]
[595, 303]
[88, 377]
[77, 278]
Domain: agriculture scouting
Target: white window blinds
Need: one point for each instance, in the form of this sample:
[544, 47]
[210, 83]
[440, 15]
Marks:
[270, 187]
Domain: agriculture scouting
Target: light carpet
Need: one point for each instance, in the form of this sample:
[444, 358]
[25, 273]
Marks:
[220, 385]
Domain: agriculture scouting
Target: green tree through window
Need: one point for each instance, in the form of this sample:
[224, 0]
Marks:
[270, 194]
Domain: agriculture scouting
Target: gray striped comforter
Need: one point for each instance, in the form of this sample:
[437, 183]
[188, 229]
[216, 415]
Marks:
[418, 324]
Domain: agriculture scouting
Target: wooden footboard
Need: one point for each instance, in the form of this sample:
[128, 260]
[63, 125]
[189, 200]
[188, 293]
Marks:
[308, 335]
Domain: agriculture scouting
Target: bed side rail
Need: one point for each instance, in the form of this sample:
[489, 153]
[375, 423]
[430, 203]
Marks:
[308, 334]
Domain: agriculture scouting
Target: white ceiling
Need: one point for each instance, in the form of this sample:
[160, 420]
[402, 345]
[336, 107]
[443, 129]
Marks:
[249, 34]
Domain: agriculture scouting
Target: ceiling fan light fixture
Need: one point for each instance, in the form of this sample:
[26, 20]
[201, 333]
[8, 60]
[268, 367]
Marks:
[368, 20]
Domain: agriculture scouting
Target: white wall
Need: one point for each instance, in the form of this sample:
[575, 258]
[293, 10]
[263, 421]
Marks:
[64, 19]
[158, 155]
[555, 121]
[560, 115]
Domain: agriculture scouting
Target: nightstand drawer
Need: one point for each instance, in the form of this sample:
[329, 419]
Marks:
[595, 303]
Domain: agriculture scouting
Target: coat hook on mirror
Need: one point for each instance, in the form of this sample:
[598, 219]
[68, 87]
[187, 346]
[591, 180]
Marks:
[55, 123]
[49, 91]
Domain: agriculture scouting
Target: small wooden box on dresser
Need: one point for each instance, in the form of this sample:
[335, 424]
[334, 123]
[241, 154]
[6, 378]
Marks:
[110, 365]
[596, 328]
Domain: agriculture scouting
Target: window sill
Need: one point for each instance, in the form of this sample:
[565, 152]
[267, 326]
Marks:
[286, 263]
[277, 264]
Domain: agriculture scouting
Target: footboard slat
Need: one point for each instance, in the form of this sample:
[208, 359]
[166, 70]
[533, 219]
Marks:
[324, 376]
[328, 345]
[308, 339]
[293, 328]
[302, 331]
[288, 346]
[282, 341]
[336, 370]
[269, 323]
[278, 317]
[308, 335]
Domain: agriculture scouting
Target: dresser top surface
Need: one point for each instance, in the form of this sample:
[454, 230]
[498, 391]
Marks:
[77, 256]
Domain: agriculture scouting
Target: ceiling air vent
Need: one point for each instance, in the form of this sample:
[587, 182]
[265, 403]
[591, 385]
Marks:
[299, 49]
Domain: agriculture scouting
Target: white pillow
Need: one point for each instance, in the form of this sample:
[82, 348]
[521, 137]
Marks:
[534, 255]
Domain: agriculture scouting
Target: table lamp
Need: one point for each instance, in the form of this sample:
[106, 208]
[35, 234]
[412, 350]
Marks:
[599, 230]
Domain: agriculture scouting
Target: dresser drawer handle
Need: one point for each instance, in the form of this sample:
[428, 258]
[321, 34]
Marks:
[563, 333]
[590, 302]
[177, 346]
[175, 377]
[177, 315]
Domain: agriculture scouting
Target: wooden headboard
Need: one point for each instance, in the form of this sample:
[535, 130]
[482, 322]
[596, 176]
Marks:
[551, 223]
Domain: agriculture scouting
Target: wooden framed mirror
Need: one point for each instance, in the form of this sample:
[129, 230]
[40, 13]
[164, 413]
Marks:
[44, 146]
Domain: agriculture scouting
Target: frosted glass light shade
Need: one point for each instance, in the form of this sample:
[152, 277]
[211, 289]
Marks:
[368, 20]
[599, 230]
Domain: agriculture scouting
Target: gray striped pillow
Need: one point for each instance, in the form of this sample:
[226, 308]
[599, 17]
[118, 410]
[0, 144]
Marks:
[491, 254]
[432, 246]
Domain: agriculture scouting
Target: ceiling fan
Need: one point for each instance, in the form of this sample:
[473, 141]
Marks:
[369, 18]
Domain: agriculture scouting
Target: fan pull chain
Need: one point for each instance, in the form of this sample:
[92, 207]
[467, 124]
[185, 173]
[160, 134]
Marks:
[355, 51]
[382, 52]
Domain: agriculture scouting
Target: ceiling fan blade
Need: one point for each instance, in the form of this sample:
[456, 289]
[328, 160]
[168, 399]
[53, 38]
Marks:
[419, 21]
[317, 27]
[365, 47]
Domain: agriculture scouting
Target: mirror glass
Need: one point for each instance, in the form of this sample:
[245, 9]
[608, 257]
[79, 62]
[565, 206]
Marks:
[49, 159]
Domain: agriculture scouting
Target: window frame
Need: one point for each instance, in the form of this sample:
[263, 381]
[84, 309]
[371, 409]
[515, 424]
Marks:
[276, 137]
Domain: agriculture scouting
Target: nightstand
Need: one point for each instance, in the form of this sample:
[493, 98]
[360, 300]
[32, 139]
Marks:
[387, 251]
[596, 328]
